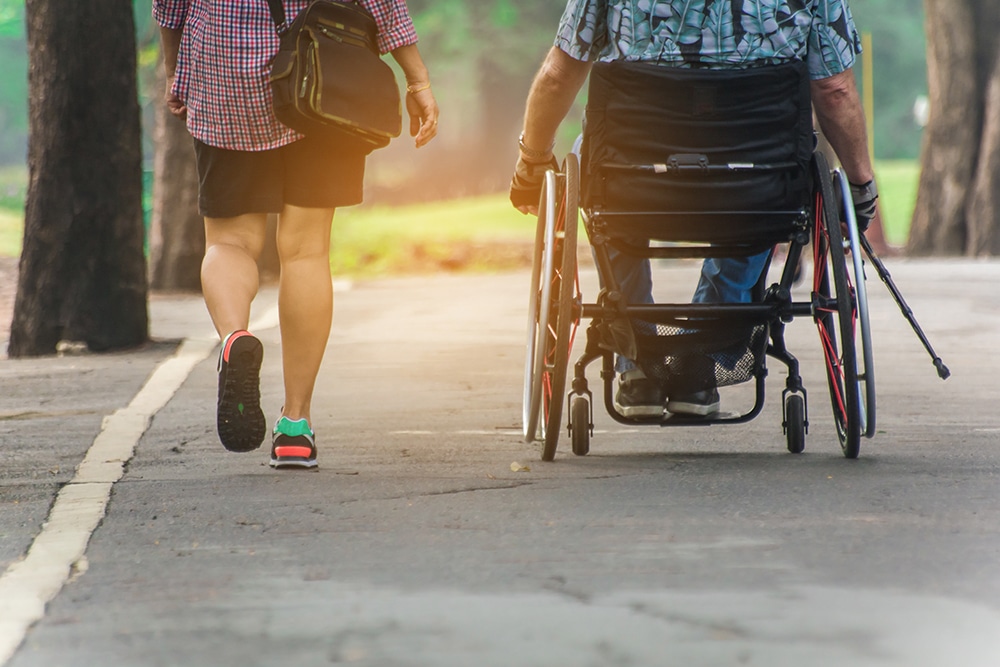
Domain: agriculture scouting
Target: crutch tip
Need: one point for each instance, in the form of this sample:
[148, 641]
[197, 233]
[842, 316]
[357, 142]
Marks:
[942, 370]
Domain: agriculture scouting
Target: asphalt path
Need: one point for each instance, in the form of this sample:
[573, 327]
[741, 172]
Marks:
[433, 535]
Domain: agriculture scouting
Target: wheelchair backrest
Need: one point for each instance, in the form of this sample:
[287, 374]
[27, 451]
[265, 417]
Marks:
[663, 139]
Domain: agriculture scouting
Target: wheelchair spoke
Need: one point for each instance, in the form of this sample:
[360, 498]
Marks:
[835, 311]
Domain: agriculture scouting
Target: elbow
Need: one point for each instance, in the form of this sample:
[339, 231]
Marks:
[560, 71]
[834, 91]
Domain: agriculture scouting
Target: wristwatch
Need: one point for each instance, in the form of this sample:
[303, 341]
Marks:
[864, 193]
[534, 155]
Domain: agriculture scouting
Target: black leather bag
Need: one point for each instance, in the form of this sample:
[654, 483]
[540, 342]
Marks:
[328, 79]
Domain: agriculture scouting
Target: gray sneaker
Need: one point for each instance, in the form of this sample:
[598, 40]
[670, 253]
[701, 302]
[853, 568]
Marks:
[638, 396]
[699, 404]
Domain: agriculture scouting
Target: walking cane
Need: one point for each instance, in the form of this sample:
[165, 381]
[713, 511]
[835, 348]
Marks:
[883, 273]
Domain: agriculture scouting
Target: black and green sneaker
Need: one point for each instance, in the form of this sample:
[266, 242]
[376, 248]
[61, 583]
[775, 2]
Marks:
[240, 420]
[293, 444]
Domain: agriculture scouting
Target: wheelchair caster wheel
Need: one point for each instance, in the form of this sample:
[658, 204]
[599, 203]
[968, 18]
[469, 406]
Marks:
[580, 426]
[795, 423]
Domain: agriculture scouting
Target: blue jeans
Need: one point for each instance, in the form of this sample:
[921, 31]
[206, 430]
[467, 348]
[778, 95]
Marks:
[728, 280]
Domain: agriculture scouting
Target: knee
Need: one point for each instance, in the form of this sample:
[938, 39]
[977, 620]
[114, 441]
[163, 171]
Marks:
[298, 249]
[251, 250]
[241, 235]
[304, 234]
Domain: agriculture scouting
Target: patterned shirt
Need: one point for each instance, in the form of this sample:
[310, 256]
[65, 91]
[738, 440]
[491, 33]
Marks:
[716, 34]
[223, 66]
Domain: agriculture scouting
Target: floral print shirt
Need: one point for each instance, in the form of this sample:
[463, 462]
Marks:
[716, 34]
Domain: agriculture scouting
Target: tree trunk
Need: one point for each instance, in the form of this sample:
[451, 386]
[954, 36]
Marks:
[82, 270]
[177, 232]
[983, 213]
[956, 210]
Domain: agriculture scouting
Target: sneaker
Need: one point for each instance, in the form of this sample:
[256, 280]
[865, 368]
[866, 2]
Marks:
[638, 396]
[293, 444]
[700, 403]
[240, 420]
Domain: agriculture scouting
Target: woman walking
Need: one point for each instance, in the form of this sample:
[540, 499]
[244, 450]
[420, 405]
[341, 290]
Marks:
[217, 58]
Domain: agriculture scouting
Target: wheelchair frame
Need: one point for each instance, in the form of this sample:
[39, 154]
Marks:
[837, 304]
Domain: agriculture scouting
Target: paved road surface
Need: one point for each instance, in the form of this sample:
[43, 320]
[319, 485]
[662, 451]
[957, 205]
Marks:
[417, 544]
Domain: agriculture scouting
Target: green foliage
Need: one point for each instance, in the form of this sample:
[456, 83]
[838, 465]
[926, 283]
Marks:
[900, 71]
[11, 18]
[13, 83]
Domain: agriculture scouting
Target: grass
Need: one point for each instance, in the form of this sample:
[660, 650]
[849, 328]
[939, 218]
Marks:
[475, 234]
[13, 188]
[897, 184]
[479, 233]
[11, 231]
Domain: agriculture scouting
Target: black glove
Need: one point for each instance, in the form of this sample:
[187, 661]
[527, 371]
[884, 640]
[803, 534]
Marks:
[864, 197]
[526, 185]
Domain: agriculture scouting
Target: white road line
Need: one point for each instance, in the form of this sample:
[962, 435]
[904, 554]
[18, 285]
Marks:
[509, 432]
[58, 551]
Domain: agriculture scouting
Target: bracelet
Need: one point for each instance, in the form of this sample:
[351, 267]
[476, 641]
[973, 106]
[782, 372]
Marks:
[411, 90]
[532, 154]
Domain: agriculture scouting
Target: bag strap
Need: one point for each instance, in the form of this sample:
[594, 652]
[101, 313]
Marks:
[277, 8]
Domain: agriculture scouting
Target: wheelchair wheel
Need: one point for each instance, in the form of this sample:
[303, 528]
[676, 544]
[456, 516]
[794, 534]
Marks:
[539, 293]
[835, 313]
[795, 423]
[579, 425]
[866, 365]
[551, 312]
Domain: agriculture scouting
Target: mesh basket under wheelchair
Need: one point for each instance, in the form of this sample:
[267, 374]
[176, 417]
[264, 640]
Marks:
[695, 355]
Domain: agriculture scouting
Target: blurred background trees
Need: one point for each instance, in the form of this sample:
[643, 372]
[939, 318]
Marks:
[483, 54]
[958, 202]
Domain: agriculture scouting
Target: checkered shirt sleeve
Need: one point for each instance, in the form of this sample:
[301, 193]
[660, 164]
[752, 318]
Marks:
[223, 66]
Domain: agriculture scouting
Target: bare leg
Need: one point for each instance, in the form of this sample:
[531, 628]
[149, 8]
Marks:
[305, 302]
[229, 278]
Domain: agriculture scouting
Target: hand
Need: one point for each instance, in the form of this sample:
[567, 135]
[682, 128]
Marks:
[526, 185]
[175, 105]
[423, 111]
[865, 198]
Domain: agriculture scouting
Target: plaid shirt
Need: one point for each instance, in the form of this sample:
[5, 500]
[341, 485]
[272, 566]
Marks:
[223, 65]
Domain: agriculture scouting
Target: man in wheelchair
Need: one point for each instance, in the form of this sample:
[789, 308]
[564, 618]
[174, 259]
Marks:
[816, 38]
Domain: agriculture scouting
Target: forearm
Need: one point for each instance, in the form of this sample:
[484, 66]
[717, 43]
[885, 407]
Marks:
[413, 66]
[551, 96]
[841, 117]
[170, 41]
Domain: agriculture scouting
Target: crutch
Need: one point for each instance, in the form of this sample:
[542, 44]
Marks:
[883, 273]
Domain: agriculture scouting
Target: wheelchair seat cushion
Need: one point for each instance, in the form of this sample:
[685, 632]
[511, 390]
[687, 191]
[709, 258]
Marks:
[642, 118]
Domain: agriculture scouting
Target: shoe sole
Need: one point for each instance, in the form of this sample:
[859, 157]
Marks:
[693, 409]
[639, 410]
[240, 420]
[304, 464]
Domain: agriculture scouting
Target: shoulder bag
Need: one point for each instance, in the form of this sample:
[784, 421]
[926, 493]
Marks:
[328, 79]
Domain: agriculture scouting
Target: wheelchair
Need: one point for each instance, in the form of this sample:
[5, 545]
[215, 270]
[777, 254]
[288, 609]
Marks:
[697, 163]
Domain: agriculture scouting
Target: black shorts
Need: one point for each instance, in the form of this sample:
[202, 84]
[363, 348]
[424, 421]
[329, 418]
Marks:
[307, 173]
